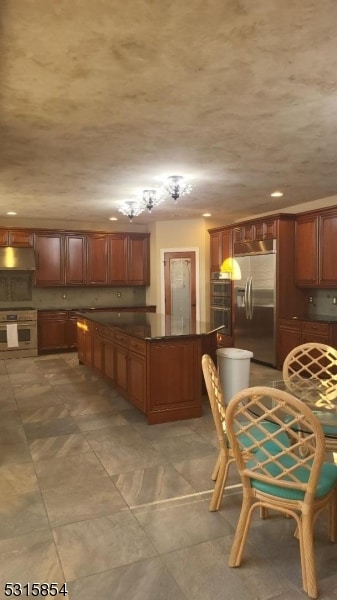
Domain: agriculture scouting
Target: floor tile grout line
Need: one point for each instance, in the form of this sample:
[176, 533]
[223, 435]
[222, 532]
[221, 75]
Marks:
[185, 496]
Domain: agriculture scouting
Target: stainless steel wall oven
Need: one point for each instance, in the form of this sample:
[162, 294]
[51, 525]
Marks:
[221, 303]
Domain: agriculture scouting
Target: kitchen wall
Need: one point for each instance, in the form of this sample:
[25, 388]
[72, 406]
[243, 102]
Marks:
[174, 236]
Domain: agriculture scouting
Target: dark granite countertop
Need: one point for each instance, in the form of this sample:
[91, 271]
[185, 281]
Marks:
[315, 318]
[149, 326]
[93, 308]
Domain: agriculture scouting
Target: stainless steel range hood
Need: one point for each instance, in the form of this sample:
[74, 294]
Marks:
[17, 259]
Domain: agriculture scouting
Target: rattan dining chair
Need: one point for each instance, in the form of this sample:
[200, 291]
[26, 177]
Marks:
[314, 360]
[225, 455]
[279, 476]
[311, 360]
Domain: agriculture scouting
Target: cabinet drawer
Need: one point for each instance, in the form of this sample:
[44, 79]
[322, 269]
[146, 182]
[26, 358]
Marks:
[292, 324]
[137, 346]
[121, 338]
[309, 327]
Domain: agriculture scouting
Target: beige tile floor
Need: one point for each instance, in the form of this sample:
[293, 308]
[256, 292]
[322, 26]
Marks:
[92, 496]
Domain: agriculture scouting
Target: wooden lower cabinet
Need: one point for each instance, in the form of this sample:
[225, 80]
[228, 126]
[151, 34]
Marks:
[293, 332]
[51, 328]
[57, 331]
[289, 336]
[108, 360]
[137, 379]
[121, 370]
[161, 377]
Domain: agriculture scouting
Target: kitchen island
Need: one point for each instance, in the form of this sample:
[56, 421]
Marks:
[153, 360]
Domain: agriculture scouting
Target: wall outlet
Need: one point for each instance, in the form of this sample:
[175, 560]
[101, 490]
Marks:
[334, 300]
[64, 296]
[310, 299]
[119, 294]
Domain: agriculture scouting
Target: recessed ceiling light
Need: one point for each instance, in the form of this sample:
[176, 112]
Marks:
[276, 194]
[113, 218]
[207, 215]
[11, 213]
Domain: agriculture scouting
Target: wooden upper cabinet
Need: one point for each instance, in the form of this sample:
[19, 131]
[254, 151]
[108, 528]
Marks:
[220, 247]
[306, 244]
[266, 230]
[215, 250]
[75, 259]
[118, 259]
[255, 231]
[97, 259]
[226, 245]
[85, 259]
[128, 259]
[138, 259]
[17, 238]
[327, 249]
[49, 250]
[244, 233]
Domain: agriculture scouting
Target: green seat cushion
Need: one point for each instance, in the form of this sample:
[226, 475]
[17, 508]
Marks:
[327, 479]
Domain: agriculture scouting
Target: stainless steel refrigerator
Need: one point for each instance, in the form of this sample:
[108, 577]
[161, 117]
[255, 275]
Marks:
[254, 299]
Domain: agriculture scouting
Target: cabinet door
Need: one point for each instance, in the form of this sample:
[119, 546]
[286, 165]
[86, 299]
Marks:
[137, 380]
[121, 369]
[52, 330]
[215, 250]
[72, 330]
[226, 245]
[49, 250]
[290, 336]
[97, 352]
[97, 259]
[265, 230]
[306, 244]
[327, 249]
[108, 360]
[138, 260]
[20, 238]
[75, 254]
[244, 233]
[83, 342]
[118, 259]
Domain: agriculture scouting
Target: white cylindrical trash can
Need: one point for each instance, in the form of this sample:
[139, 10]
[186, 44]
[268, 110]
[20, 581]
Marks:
[234, 369]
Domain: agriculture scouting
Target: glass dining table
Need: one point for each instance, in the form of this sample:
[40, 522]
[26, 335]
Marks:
[321, 396]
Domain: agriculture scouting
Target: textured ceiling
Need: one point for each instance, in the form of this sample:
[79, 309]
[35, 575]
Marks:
[98, 97]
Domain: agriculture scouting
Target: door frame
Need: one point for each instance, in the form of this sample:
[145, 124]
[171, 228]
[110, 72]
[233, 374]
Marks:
[197, 277]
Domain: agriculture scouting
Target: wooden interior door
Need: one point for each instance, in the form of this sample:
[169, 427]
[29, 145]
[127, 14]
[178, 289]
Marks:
[180, 289]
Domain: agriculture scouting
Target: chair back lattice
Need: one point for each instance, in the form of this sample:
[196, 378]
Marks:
[273, 460]
[214, 391]
[311, 360]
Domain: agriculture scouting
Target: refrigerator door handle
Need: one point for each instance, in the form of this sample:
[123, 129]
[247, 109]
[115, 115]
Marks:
[251, 306]
[246, 301]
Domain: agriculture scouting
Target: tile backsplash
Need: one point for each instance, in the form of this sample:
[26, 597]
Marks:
[72, 297]
[322, 302]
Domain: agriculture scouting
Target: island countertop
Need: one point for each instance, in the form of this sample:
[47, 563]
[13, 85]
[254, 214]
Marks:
[149, 326]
